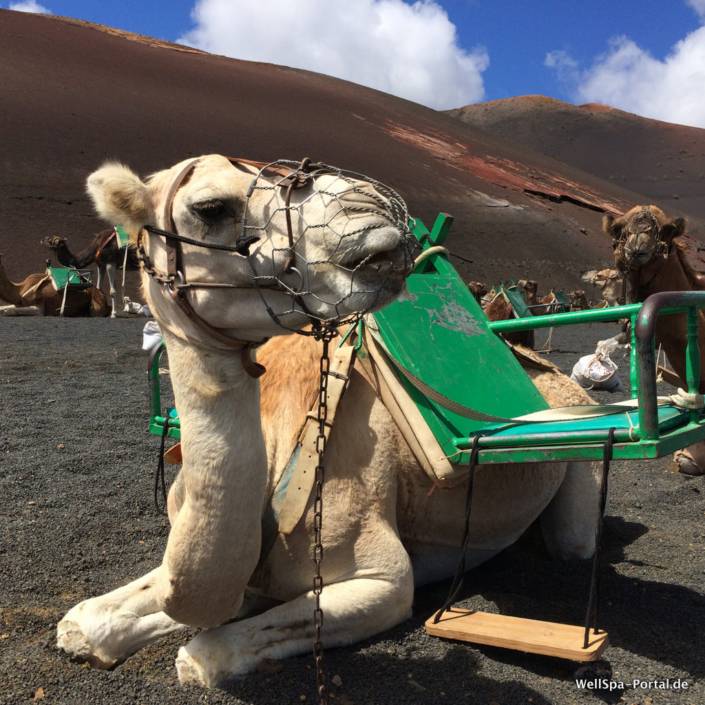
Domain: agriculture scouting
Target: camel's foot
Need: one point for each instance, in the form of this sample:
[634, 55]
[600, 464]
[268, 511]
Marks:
[71, 638]
[113, 314]
[104, 637]
[105, 630]
[687, 465]
[89, 635]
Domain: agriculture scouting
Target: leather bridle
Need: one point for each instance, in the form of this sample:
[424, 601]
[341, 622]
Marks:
[173, 280]
[289, 176]
[630, 274]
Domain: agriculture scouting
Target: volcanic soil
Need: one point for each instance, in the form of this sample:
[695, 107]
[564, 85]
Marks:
[76, 466]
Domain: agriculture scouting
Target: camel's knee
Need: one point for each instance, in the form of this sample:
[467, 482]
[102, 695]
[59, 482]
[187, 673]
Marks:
[198, 602]
[691, 460]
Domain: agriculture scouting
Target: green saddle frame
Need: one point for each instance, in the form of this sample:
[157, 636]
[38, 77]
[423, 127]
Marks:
[438, 332]
[62, 277]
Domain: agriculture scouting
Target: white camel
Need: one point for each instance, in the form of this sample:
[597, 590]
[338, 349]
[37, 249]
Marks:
[384, 532]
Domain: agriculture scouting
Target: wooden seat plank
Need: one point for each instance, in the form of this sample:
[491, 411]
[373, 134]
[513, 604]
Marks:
[529, 635]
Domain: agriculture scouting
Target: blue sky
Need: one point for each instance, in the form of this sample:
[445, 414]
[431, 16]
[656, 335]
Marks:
[605, 50]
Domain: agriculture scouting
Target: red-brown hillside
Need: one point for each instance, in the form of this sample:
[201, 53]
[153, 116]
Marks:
[74, 95]
[660, 160]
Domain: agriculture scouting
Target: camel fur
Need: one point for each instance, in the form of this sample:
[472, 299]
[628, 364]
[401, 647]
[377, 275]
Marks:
[384, 532]
[650, 253]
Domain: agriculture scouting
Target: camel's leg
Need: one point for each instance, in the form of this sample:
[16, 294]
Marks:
[570, 521]
[98, 277]
[353, 610]
[110, 272]
[107, 629]
[691, 460]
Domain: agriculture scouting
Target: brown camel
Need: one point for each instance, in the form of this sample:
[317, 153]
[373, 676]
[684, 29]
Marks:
[649, 255]
[497, 307]
[39, 290]
[609, 282]
[104, 251]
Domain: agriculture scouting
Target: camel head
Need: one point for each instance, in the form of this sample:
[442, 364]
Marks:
[341, 246]
[53, 242]
[530, 288]
[578, 300]
[609, 281]
[641, 236]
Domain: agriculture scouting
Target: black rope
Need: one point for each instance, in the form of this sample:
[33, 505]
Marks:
[459, 576]
[159, 473]
[591, 614]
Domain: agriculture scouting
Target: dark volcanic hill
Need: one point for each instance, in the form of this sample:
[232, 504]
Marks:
[663, 161]
[74, 95]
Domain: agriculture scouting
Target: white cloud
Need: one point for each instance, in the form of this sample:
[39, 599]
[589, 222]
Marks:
[629, 77]
[672, 89]
[698, 6]
[564, 65]
[30, 6]
[409, 50]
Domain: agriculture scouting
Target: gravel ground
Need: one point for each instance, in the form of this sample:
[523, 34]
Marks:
[77, 520]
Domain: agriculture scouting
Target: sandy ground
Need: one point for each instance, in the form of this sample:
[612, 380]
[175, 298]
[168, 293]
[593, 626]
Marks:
[76, 519]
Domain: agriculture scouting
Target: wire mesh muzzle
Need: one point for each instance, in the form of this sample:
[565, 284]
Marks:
[325, 224]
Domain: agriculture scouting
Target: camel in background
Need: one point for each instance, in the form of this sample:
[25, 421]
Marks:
[384, 531]
[104, 251]
[649, 254]
[39, 290]
[609, 282]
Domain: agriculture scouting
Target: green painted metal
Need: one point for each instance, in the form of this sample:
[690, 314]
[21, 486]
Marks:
[438, 332]
[623, 448]
[63, 276]
[571, 318]
[158, 415]
[437, 235]
[633, 366]
[516, 299]
[122, 237]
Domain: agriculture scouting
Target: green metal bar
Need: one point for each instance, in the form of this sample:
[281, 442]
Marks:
[692, 353]
[441, 228]
[692, 358]
[643, 450]
[155, 395]
[633, 366]
[437, 236]
[657, 304]
[552, 320]
[522, 440]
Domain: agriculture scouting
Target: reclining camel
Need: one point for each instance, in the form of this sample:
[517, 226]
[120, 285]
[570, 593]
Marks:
[649, 254]
[38, 290]
[104, 251]
[383, 531]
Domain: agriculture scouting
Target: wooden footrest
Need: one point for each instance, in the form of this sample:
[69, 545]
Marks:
[528, 635]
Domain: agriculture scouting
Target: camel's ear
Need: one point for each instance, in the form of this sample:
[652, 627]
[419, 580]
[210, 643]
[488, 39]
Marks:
[120, 197]
[674, 229]
[610, 226]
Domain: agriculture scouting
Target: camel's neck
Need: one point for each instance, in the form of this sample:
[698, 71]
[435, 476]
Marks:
[9, 291]
[83, 258]
[662, 275]
[214, 544]
[671, 331]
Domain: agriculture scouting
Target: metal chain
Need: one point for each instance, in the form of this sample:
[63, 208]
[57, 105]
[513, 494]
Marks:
[325, 335]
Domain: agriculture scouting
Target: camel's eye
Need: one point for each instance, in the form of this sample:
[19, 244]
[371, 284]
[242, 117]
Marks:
[211, 210]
